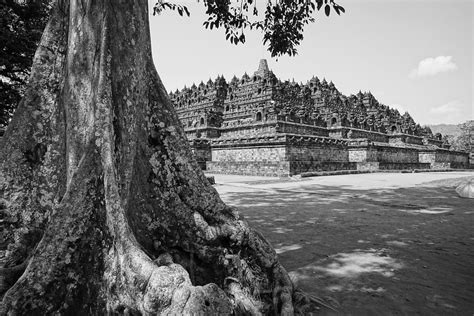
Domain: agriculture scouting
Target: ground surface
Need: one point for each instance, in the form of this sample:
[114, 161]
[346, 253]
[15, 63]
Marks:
[369, 244]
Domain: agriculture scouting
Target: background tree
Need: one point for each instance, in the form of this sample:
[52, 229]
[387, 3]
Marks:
[465, 140]
[104, 208]
[22, 23]
[459, 136]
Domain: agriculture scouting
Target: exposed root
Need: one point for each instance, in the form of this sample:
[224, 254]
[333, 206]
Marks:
[306, 303]
[8, 276]
[161, 287]
[235, 232]
[282, 291]
[244, 303]
[17, 257]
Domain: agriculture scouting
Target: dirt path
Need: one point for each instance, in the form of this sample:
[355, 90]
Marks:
[380, 244]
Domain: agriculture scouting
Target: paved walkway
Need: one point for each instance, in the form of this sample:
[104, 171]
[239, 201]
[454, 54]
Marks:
[369, 244]
[229, 183]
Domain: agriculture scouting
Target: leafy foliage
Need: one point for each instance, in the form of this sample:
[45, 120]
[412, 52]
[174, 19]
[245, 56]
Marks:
[162, 5]
[22, 23]
[282, 24]
[464, 141]
[459, 136]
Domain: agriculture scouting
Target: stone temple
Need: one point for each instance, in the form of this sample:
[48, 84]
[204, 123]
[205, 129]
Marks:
[260, 125]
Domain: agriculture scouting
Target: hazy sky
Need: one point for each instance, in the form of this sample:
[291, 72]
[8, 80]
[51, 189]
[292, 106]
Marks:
[412, 55]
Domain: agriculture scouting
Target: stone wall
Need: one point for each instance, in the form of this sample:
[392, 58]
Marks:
[368, 166]
[444, 159]
[251, 168]
[405, 139]
[454, 157]
[386, 154]
[238, 129]
[289, 154]
[301, 129]
[385, 157]
[202, 133]
[403, 165]
[317, 153]
[369, 135]
[202, 151]
[249, 130]
[249, 154]
[301, 166]
[285, 155]
[362, 154]
[257, 155]
[308, 155]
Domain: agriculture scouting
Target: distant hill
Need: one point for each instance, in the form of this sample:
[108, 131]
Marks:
[458, 138]
[446, 129]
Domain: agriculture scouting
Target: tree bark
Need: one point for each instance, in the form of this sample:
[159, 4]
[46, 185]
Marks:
[104, 209]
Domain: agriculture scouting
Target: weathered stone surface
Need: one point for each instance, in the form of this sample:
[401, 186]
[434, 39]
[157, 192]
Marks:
[262, 98]
[286, 128]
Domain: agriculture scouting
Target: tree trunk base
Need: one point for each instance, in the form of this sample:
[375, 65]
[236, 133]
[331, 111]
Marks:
[107, 210]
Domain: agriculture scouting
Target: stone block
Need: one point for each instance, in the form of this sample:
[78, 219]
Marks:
[367, 166]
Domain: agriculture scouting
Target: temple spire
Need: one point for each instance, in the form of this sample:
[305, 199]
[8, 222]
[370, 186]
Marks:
[262, 68]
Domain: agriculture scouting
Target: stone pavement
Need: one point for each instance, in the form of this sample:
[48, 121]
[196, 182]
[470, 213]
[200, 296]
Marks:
[369, 244]
[229, 183]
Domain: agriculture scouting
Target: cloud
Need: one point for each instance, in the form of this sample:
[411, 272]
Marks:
[431, 66]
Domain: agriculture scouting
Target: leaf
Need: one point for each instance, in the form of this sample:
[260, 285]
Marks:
[327, 9]
[336, 8]
[186, 10]
[320, 4]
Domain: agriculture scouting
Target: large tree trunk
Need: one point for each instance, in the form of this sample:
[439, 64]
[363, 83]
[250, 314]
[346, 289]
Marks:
[104, 209]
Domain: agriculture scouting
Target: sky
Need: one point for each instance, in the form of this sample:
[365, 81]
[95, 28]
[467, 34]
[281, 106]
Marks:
[413, 55]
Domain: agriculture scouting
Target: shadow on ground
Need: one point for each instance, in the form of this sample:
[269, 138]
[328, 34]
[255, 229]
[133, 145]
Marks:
[404, 251]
